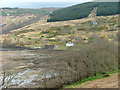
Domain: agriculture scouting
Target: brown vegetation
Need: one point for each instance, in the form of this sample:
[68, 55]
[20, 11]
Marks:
[71, 66]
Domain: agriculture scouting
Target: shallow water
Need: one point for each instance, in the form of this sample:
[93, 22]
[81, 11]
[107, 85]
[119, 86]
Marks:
[26, 67]
[18, 69]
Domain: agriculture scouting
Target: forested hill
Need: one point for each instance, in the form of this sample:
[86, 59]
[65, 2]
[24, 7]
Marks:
[83, 10]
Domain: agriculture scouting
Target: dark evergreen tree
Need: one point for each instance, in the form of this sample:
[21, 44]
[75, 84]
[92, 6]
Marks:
[83, 10]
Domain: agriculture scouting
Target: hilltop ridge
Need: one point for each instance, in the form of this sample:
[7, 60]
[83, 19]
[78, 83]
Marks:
[83, 10]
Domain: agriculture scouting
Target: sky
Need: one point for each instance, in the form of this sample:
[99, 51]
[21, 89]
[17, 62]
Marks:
[44, 3]
[20, 3]
[45, 0]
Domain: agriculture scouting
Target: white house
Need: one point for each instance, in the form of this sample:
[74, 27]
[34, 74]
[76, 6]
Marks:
[94, 22]
[8, 14]
[69, 44]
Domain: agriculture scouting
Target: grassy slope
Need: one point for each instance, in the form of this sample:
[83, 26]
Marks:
[91, 78]
[13, 18]
[40, 33]
[83, 10]
[12, 12]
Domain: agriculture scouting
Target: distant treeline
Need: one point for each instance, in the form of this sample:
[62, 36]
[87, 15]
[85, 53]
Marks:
[83, 10]
[10, 8]
[18, 11]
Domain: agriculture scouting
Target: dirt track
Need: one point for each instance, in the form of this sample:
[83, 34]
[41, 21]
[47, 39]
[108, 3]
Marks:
[109, 82]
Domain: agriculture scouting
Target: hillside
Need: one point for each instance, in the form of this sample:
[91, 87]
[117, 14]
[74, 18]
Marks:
[20, 11]
[28, 63]
[111, 81]
[15, 18]
[42, 32]
[83, 10]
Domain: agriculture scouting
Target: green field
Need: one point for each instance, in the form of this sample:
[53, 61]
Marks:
[91, 78]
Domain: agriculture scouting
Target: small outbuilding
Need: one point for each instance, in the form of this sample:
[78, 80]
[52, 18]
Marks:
[69, 44]
[94, 22]
[49, 46]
